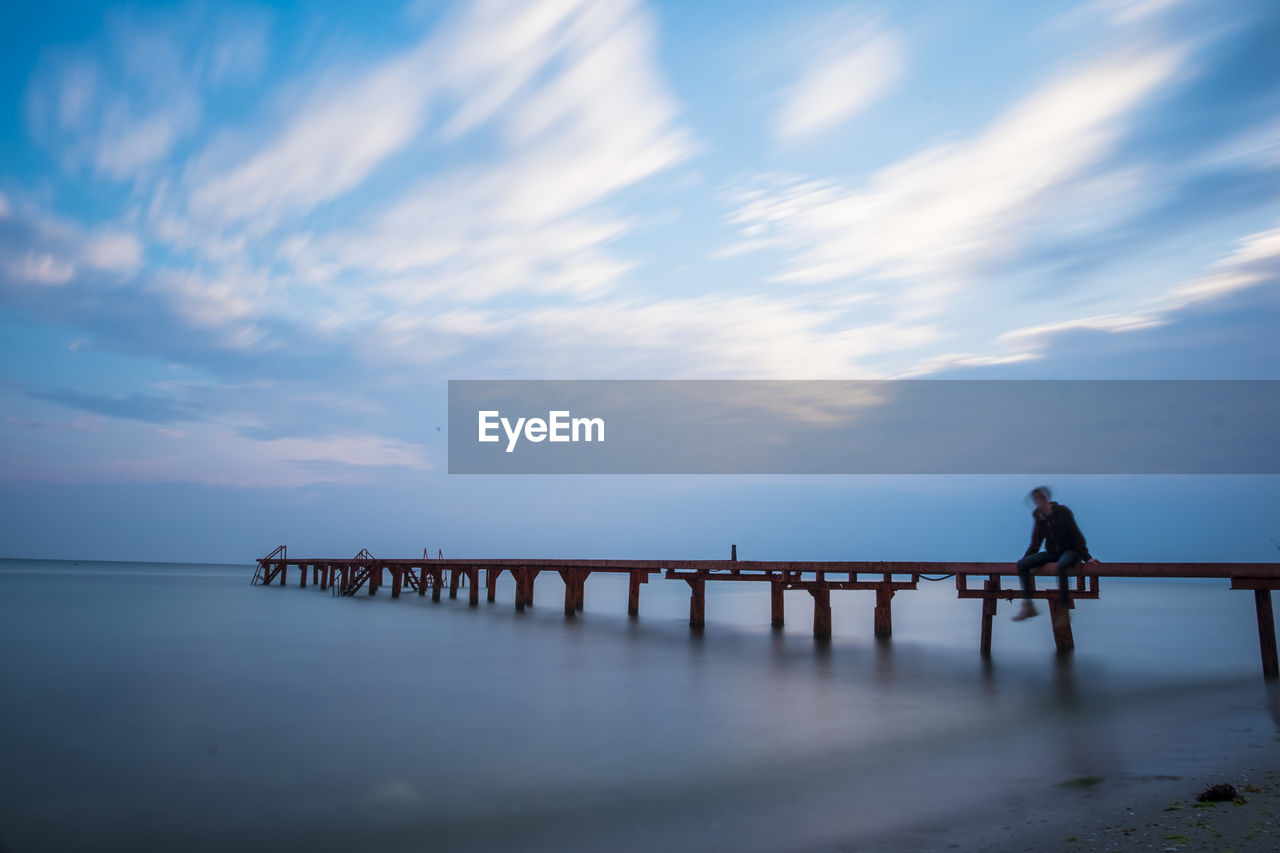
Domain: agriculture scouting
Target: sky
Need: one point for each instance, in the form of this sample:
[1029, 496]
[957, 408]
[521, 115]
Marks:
[243, 248]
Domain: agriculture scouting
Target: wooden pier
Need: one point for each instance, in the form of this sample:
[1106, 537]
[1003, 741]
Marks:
[818, 578]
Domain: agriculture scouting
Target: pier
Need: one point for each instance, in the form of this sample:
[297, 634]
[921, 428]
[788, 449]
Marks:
[366, 574]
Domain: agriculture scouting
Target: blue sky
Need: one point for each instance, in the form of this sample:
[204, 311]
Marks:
[243, 248]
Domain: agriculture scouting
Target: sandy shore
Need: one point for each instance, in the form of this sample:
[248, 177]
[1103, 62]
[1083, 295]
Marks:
[1151, 813]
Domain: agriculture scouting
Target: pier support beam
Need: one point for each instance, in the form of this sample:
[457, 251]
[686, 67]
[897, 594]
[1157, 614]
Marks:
[1060, 617]
[633, 593]
[884, 611]
[284, 570]
[315, 573]
[530, 576]
[575, 586]
[437, 581]
[375, 579]
[988, 614]
[697, 602]
[777, 613]
[455, 575]
[1266, 633]
[346, 579]
[491, 583]
[326, 572]
[821, 612]
[302, 570]
[397, 578]
[570, 593]
[422, 580]
[473, 593]
[522, 579]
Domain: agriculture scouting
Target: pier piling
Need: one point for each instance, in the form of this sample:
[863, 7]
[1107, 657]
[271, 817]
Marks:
[1266, 633]
[821, 612]
[1060, 618]
[991, 586]
[884, 612]
[634, 580]
[776, 608]
[697, 602]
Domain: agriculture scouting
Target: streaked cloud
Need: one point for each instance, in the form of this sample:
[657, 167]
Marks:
[850, 75]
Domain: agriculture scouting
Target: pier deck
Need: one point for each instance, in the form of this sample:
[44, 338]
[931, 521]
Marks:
[347, 576]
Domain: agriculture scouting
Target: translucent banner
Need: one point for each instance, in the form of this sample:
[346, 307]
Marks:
[864, 427]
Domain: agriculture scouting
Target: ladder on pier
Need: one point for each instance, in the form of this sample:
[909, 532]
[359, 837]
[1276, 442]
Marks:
[357, 573]
[268, 567]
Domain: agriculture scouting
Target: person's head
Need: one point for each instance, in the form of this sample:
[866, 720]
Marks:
[1040, 496]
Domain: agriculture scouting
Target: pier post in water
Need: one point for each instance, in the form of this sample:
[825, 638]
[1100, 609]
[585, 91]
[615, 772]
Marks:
[697, 602]
[325, 571]
[521, 575]
[284, 569]
[580, 591]
[1061, 620]
[570, 592]
[455, 575]
[397, 577]
[491, 583]
[776, 603]
[633, 593]
[1266, 633]
[884, 611]
[991, 587]
[437, 581]
[821, 612]
[473, 593]
[529, 576]
[302, 570]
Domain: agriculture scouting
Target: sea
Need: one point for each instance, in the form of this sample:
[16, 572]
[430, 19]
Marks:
[148, 706]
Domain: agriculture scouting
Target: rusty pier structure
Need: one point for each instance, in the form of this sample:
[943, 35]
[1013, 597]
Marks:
[986, 581]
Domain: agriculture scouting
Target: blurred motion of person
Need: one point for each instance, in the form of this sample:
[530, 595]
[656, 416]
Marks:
[1055, 527]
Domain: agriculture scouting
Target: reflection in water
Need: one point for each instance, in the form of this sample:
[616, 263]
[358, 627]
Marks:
[176, 706]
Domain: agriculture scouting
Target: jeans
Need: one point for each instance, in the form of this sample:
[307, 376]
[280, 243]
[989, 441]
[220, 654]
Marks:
[1066, 560]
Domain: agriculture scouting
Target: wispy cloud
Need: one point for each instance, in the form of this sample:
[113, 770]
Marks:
[949, 208]
[122, 104]
[846, 78]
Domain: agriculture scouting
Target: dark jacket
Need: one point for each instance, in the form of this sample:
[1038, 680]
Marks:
[1059, 532]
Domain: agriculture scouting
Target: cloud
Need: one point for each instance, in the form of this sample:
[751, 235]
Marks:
[848, 78]
[711, 336]
[327, 147]
[147, 408]
[1254, 261]
[121, 105]
[39, 248]
[588, 117]
[952, 207]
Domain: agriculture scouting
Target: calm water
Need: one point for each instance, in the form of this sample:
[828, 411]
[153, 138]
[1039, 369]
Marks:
[176, 706]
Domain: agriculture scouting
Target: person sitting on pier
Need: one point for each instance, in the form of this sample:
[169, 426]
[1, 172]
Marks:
[1055, 526]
